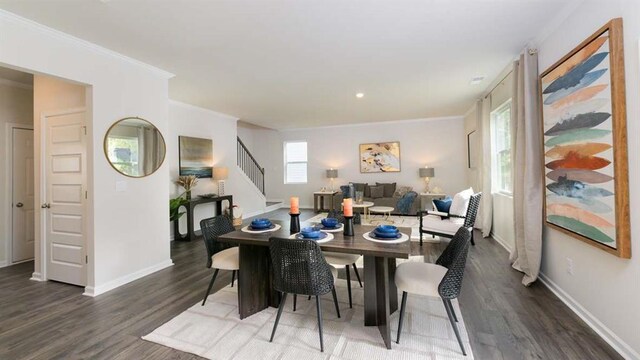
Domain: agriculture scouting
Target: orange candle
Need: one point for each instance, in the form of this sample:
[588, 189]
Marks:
[294, 205]
[347, 204]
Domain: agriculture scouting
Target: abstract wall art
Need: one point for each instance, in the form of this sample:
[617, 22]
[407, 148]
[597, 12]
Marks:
[585, 143]
[380, 157]
[196, 156]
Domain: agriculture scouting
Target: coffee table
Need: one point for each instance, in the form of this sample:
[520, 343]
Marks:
[384, 210]
[365, 205]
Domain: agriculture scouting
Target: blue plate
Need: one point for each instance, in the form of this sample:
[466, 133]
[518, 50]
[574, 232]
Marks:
[386, 229]
[259, 228]
[331, 223]
[324, 227]
[299, 236]
[377, 236]
[261, 222]
[311, 232]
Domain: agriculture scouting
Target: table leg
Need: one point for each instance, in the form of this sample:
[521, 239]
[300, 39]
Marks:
[376, 295]
[315, 203]
[254, 281]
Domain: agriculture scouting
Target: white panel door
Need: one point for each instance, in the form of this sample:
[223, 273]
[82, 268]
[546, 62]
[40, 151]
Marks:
[64, 208]
[22, 196]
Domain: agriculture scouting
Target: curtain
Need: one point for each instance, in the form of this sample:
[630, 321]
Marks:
[486, 206]
[527, 168]
[150, 150]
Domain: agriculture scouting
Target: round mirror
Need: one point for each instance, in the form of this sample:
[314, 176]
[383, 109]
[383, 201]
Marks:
[134, 147]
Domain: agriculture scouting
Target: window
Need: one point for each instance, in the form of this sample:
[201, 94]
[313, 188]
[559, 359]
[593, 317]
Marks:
[501, 148]
[295, 162]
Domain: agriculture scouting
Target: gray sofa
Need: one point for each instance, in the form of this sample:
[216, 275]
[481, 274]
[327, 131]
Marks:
[389, 198]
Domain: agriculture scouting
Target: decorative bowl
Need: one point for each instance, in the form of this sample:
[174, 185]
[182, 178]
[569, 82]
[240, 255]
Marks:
[386, 229]
[329, 222]
[310, 232]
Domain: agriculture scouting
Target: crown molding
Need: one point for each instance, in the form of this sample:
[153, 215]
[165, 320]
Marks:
[16, 19]
[16, 84]
[199, 108]
[392, 122]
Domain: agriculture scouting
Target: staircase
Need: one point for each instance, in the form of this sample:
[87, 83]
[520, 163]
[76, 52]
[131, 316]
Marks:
[250, 166]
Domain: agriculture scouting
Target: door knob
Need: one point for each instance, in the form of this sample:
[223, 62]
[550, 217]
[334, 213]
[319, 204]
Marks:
[45, 206]
[19, 204]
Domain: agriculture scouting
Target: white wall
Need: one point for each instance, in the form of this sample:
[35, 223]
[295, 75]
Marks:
[436, 142]
[129, 234]
[604, 289]
[188, 120]
[16, 106]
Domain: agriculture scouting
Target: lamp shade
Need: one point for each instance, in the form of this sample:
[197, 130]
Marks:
[220, 173]
[427, 172]
[332, 173]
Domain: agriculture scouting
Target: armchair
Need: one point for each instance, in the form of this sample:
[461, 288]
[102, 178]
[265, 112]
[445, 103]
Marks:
[446, 225]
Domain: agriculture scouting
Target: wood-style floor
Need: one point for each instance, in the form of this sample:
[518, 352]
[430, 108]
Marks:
[50, 320]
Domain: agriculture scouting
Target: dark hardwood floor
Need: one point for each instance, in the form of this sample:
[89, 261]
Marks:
[50, 320]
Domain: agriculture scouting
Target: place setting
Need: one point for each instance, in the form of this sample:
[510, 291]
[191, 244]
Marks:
[388, 234]
[330, 225]
[313, 233]
[260, 226]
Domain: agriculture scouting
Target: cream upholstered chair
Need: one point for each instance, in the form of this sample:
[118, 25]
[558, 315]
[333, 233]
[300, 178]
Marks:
[436, 223]
[442, 279]
[220, 256]
[345, 260]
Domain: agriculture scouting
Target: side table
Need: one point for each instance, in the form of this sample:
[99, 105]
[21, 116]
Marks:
[318, 200]
[427, 198]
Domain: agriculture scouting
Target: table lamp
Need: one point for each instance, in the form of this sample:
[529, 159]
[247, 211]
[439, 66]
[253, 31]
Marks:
[426, 173]
[332, 174]
[220, 174]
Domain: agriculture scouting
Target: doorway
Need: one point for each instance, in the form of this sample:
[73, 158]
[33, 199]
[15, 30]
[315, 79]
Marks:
[21, 247]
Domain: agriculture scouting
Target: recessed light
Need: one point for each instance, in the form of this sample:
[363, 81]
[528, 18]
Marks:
[359, 95]
[477, 79]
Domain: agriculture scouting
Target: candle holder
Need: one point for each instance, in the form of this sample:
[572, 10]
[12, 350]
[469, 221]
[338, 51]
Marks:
[348, 226]
[294, 225]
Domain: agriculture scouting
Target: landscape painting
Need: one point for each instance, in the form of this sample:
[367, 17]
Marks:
[584, 128]
[380, 157]
[196, 156]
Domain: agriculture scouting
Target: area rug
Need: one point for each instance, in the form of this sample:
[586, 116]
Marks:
[215, 331]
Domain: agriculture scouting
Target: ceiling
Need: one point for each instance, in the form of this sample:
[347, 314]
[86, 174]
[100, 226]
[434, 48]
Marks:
[299, 63]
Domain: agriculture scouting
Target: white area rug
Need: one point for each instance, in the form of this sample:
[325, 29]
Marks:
[407, 221]
[215, 331]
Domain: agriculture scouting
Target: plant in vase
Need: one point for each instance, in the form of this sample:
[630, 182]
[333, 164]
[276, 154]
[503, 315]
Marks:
[174, 207]
[187, 182]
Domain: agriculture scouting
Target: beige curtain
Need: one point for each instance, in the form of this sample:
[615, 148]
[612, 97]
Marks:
[486, 206]
[527, 168]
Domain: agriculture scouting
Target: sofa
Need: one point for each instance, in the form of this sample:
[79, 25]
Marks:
[388, 196]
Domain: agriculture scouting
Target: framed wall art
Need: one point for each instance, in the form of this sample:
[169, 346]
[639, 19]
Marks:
[380, 157]
[585, 143]
[195, 156]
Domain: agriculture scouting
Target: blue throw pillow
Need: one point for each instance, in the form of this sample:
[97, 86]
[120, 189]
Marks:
[443, 205]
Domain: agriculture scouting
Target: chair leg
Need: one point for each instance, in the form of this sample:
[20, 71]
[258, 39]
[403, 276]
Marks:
[454, 325]
[233, 277]
[473, 243]
[275, 325]
[295, 298]
[403, 307]
[335, 300]
[420, 238]
[213, 278]
[319, 311]
[309, 298]
[349, 286]
[355, 269]
[453, 312]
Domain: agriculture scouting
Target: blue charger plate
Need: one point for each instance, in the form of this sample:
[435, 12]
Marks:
[272, 226]
[385, 237]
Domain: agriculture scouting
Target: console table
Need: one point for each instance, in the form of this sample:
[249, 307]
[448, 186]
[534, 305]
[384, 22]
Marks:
[190, 206]
[318, 200]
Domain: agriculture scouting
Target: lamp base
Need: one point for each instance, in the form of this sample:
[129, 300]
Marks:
[220, 187]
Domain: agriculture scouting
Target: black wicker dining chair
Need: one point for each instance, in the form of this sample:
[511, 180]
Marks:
[443, 279]
[435, 225]
[220, 256]
[299, 268]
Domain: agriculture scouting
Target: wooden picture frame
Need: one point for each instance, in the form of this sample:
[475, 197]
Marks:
[585, 165]
[380, 157]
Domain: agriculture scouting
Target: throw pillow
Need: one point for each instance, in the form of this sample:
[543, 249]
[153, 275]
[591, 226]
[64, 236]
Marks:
[461, 202]
[367, 191]
[359, 186]
[389, 189]
[376, 191]
[443, 205]
[402, 190]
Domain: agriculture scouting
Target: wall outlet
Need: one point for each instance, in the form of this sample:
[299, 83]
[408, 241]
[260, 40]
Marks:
[570, 266]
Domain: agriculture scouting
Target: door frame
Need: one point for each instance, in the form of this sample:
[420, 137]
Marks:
[8, 220]
[41, 256]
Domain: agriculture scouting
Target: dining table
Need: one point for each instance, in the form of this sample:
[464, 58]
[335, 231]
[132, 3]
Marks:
[256, 293]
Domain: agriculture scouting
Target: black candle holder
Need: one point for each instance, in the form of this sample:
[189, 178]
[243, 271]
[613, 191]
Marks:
[294, 226]
[348, 226]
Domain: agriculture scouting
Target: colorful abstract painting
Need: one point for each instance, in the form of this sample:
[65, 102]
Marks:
[380, 157]
[579, 143]
[196, 156]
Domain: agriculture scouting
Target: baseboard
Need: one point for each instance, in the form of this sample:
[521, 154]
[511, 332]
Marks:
[605, 333]
[101, 289]
[36, 276]
[4, 263]
[502, 242]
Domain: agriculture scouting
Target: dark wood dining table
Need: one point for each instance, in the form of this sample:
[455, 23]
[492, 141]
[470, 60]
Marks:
[255, 292]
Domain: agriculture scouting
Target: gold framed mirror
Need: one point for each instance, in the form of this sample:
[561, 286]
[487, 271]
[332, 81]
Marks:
[134, 147]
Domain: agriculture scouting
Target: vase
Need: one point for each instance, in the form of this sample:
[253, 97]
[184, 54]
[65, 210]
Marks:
[187, 195]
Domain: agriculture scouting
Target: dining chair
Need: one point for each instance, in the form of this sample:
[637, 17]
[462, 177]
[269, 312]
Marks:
[442, 279]
[435, 224]
[220, 256]
[299, 268]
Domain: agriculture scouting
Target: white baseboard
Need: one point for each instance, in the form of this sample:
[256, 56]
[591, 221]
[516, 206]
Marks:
[101, 289]
[502, 242]
[36, 276]
[605, 333]
[4, 263]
